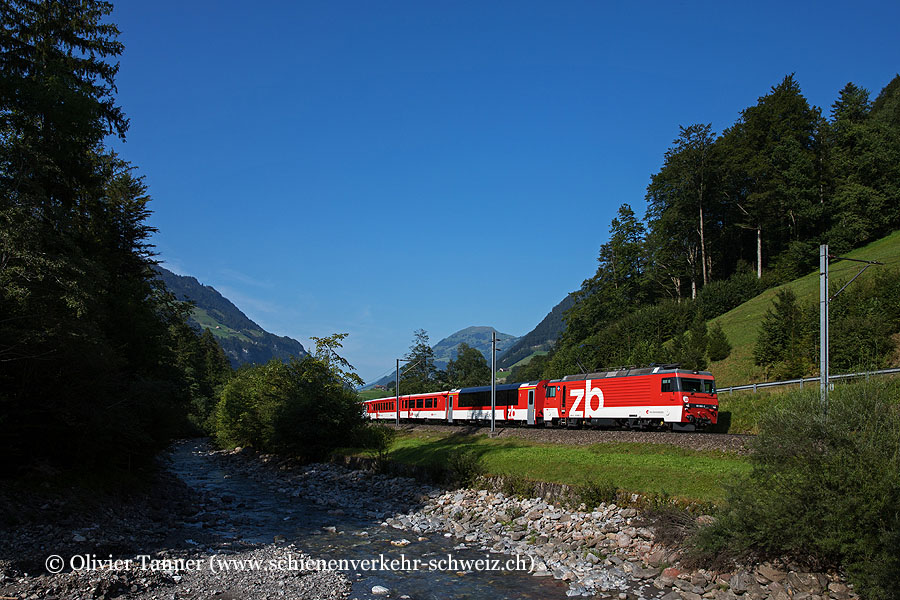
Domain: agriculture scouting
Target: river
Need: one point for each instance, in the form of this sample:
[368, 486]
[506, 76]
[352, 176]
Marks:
[258, 514]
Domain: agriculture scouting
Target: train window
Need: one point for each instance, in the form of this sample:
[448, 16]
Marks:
[419, 403]
[551, 391]
[703, 386]
[667, 385]
[427, 402]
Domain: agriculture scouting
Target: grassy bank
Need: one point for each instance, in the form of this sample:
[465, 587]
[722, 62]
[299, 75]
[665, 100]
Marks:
[741, 324]
[641, 468]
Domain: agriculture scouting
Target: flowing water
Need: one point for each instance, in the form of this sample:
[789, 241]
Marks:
[256, 514]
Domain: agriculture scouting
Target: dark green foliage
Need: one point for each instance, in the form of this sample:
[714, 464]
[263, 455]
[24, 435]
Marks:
[718, 297]
[636, 339]
[771, 170]
[303, 408]
[205, 370]
[89, 373]
[541, 337]
[516, 486]
[596, 492]
[377, 438]
[468, 369]
[693, 353]
[784, 338]
[530, 371]
[863, 319]
[242, 340]
[463, 467]
[684, 210]
[864, 167]
[767, 192]
[718, 347]
[887, 105]
[420, 374]
[826, 489]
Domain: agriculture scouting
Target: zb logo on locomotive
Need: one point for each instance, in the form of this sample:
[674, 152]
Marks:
[592, 398]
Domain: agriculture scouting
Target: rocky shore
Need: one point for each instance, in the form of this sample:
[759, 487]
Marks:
[605, 551]
[165, 530]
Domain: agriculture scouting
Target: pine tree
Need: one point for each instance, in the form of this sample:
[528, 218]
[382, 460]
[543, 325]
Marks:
[718, 346]
[469, 368]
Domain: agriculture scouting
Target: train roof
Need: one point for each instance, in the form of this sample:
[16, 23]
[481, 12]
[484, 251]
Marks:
[661, 370]
[487, 388]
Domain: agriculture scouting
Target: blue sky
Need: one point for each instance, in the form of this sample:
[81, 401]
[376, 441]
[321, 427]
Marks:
[379, 167]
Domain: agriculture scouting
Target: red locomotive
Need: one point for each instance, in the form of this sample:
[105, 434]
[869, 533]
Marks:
[637, 398]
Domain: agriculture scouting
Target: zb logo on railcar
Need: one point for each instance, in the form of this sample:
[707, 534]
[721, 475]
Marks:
[593, 401]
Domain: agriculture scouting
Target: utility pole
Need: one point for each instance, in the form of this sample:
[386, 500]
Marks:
[824, 302]
[493, 381]
[823, 327]
[397, 390]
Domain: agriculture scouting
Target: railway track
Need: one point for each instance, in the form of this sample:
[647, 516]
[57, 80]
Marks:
[723, 442]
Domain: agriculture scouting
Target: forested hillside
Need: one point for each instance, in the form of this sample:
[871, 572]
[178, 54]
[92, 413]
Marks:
[541, 337]
[244, 341]
[98, 368]
[728, 216]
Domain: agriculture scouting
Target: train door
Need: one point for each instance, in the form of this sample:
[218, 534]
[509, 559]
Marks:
[450, 408]
[562, 404]
[531, 407]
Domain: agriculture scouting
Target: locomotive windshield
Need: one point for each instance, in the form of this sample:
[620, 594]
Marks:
[703, 386]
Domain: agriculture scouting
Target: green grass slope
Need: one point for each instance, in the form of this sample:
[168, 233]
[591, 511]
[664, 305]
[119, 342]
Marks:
[742, 323]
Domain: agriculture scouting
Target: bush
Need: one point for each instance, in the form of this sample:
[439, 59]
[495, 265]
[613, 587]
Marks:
[718, 297]
[516, 486]
[301, 408]
[596, 492]
[464, 467]
[377, 438]
[826, 489]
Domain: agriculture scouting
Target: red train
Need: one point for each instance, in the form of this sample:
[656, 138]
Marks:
[637, 398]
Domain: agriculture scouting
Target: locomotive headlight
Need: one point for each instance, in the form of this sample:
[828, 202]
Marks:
[685, 399]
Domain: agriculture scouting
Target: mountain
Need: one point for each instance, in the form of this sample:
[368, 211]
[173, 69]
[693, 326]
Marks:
[445, 350]
[243, 340]
[541, 337]
[476, 337]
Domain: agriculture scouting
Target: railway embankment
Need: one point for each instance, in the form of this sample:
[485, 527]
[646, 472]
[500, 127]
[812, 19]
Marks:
[701, 441]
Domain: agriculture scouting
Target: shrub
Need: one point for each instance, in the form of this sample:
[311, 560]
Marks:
[596, 492]
[302, 408]
[377, 438]
[464, 467]
[718, 297]
[516, 486]
[823, 488]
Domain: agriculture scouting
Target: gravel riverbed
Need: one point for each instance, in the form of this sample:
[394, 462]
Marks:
[186, 530]
[605, 552]
[166, 531]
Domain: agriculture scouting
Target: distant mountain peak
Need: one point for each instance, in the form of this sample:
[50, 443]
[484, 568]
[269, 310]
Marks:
[242, 339]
